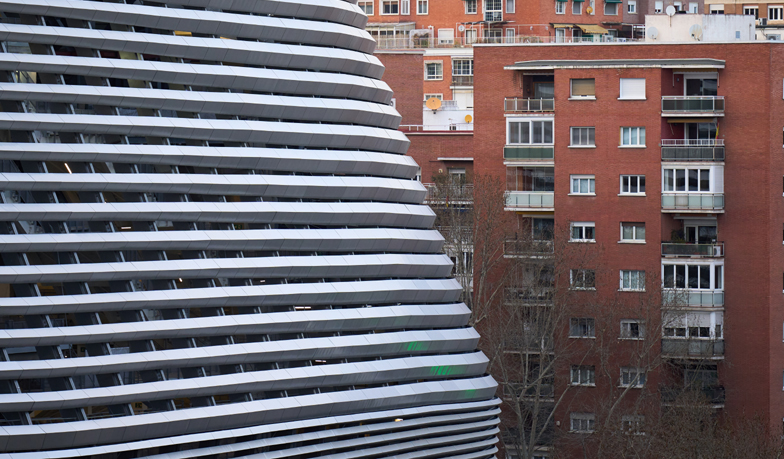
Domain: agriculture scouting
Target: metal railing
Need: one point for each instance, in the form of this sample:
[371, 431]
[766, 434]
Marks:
[715, 395]
[522, 248]
[693, 348]
[458, 127]
[692, 149]
[693, 104]
[453, 193]
[534, 295]
[693, 201]
[462, 80]
[445, 105]
[466, 42]
[519, 104]
[530, 200]
[529, 152]
[693, 298]
[685, 249]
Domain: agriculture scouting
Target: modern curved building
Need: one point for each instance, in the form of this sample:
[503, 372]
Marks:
[212, 244]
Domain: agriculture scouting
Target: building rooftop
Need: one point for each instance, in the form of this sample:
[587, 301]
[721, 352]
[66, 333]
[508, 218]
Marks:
[617, 63]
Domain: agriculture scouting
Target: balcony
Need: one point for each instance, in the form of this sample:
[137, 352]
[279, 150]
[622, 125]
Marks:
[693, 349]
[529, 342]
[449, 194]
[692, 150]
[543, 201]
[687, 298]
[714, 395]
[692, 106]
[529, 296]
[462, 80]
[516, 248]
[693, 202]
[674, 249]
[527, 153]
[520, 105]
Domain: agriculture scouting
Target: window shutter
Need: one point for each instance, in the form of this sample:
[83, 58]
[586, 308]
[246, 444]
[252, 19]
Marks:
[583, 87]
[632, 88]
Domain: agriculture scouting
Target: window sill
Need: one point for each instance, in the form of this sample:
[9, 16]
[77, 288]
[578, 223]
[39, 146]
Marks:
[632, 194]
[582, 385]
[583, 241]
[582, 194]
[624, 338]
[632, 146]
[434, 79]
[630, 242]
[583, 289]
[621, 386]
[582, 98]
[582, 146]
[582, 337]
[581, 432]
[632, 98]
[631, 291]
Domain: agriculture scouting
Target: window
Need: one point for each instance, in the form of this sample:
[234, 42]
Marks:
[582, 422]
[678, 6]
[536, 179]
[592, 5]
[463, 66]
[631, 7]
[470, 6]
[632, 377]
[633, 232]
[405, 7]
[611, 9]
[585, 88]
[751, 11]
[493, 11]
[583, 232]
[582, 278]
[583, 375]
[632, 329]
[577, 7]
[693, 276]
[583, 184]
[632, 89]
[436, 96]
[632, 136]
[389, 7]
[702, 326]
[694, 7]
[633, 184]
[422, 6]
[633, 424]
[367, 7]
[582, 327]
[510, 35]
[632, 280]
[658, 7]
[686, 180]
[434, 71]
[510, 6]
[457, 174]
[446, 36]
[530, 132]
[775, 13]
[717, 9]
[542, 229]
[583, 137]
[560, 7]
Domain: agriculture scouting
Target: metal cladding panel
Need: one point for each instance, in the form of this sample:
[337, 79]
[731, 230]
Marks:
[213, 245]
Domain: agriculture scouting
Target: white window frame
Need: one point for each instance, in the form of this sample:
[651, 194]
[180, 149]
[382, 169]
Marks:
[578, 323]
[582, 423]
[694, 7]
[578, 6]
[775, 16]
[446, 36]
[405, 7]
[578, 279]
[627, 329]
[363, 4]
[391, 4]
[712, 185]
[692, 326]
[582, 228]
[582, 375]
[613, 9]
[491, 13]
[717, 9]
[437, 96]
[678, 6]
[469, 4]
[635, 227]
[586, 136]
[631, 6]
[632, 184]
[658, 7]
[531, 128]
[459, 67]
[633, 137]
[439, 75]
[576, 185]
[632, 377]
[749, 10]
[423, 7]
[632, 280]
[581, 97]
[507, 4]
[633, 424]
[560, 7]
[715, 273]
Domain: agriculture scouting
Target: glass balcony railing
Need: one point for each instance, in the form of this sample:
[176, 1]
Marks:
[520, 248]
[533, 295]
[534, 200]
[692, 149]
[529, 152]
[462, 80]
[693, 105]
[693, 348]
[695, 202]
[521, 105]
[682, 298]
[454, 193]
[674, 249]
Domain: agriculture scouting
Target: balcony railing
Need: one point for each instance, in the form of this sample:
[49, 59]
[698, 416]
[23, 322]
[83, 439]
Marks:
[528, 152]
[452, 193]
[535, 200]
[693, 348]
[673, 249]
[457, 127]
[534, 295]
[464, 42]
[692, 150]
[530, 341]
[518, 390]
[521, 105]
[445, 105]
[715, 395]
[514, 248]
[695, 202]
[694, 298]
[693, 105]
[462, 80]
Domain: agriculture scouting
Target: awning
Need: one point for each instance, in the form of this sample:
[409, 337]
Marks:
[613, 1]
[561, 0]
[688, 120]
[593, 29]
[563, 26]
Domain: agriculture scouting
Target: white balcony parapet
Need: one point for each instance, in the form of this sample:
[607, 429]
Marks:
[693, 202]
[689, 298]
[534, 200]
[693, 105]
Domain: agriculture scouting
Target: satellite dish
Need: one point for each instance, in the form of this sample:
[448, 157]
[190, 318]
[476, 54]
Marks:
[433, 103]
[468, 118]
[461, 28]
[670, 11]
[696, 32]
[653, 33]
[589, 10]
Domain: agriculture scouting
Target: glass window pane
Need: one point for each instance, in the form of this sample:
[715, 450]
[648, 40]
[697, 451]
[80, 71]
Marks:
[640, 232]
[624, 184]
[704, 180]
[589, 232]
[680, 276]
[693, 273]
[628, 232]
[642, 184]
[669, 184]
[514, 132]
[642, 136]
[693, 180]
[548, 132]
[584, 186]
[626, 136]
[592, 182]
[575, 136]
[680, 180]
[537, 128]
[705, 277]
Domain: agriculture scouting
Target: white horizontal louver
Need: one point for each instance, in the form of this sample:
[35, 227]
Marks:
[633, 88]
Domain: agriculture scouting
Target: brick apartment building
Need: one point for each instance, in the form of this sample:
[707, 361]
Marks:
[660, 161]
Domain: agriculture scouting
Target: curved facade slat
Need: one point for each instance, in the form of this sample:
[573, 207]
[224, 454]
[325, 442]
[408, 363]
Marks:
[212, 243]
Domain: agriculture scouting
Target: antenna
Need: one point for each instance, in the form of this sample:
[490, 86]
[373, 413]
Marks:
[670, 11]
[696, 32]
[653, 33]
[433, 104]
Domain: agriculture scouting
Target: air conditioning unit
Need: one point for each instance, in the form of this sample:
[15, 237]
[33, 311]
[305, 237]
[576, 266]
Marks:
[763, 21]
